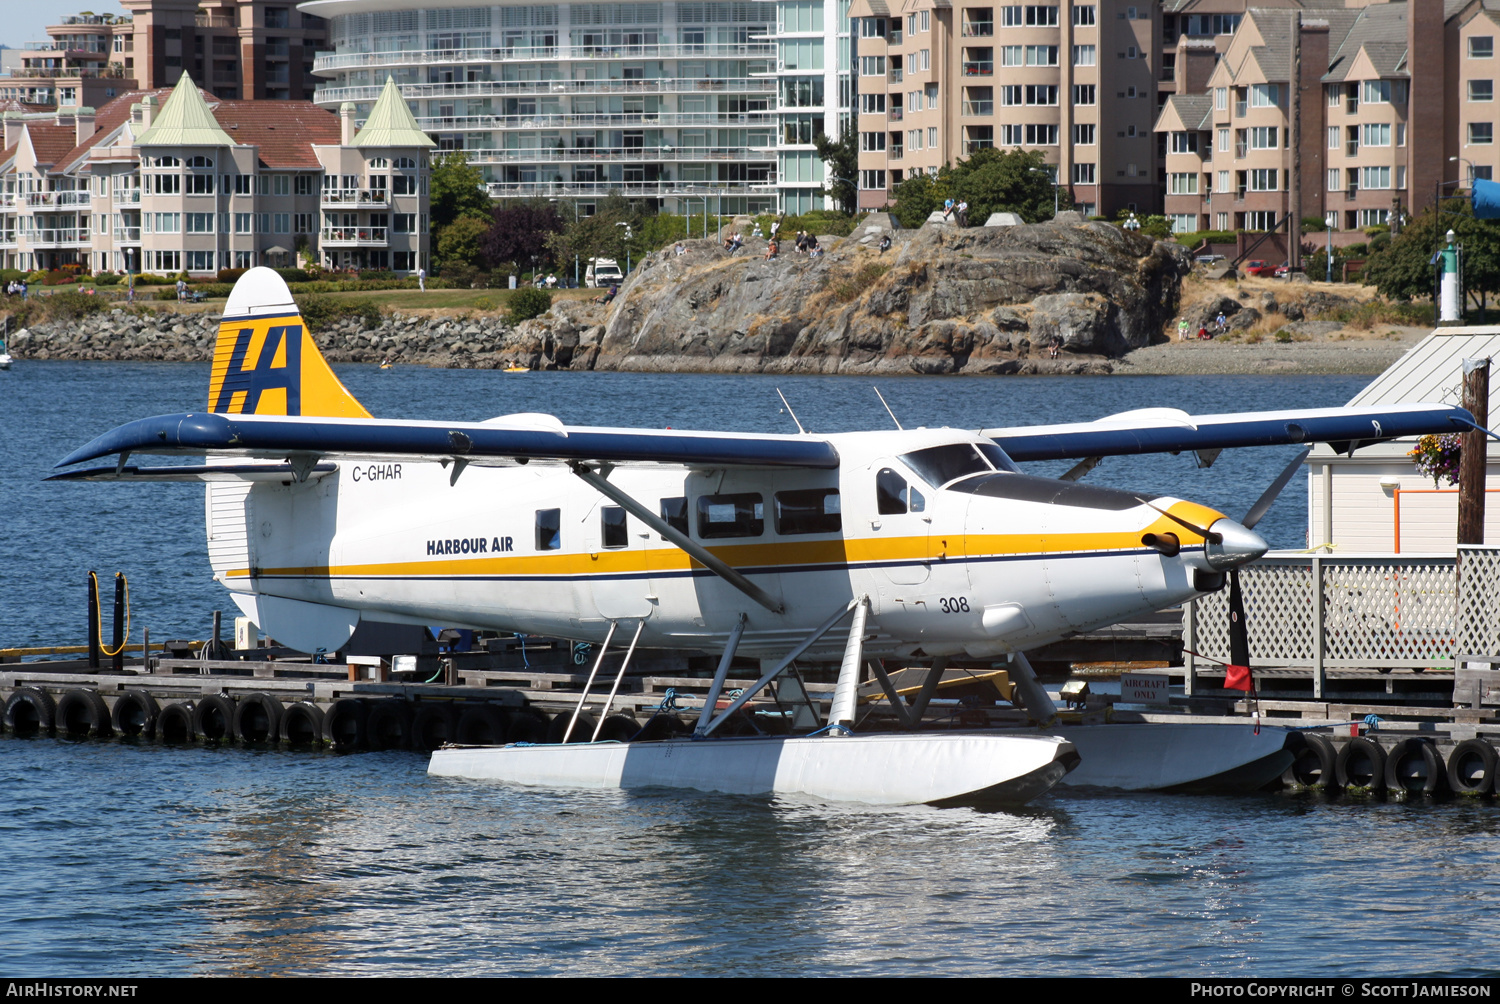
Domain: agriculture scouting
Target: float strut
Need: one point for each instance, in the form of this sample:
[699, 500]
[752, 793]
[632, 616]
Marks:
[639, 627]
[717, 687]
[590, 681]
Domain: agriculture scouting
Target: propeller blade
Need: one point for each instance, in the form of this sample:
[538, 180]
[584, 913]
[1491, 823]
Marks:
[1206, 534]
[1268, 497]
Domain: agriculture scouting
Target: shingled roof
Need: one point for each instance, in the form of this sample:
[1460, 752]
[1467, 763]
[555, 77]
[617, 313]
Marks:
[285, 131]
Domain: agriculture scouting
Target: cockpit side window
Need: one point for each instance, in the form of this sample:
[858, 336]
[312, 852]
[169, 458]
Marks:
[894, 496]
[995, 455]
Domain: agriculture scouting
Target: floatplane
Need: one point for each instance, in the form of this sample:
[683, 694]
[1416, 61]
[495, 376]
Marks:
[921, 545]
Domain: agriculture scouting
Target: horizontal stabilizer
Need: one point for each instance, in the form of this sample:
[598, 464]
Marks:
[278, 438]
[209, 472]
[1164, 430]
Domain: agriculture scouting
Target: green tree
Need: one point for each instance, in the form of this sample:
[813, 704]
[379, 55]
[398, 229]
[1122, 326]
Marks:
[457, 189]
[990, 181]
[462, 242]
[842, 157]
[602, 235]
[1402, 269]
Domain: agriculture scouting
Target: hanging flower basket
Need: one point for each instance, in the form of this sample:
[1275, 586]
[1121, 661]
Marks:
[1437, 457]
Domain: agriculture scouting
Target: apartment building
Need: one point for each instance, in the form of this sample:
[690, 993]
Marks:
[1075, 81]
[240, 49]
[1394, 103]
[675, 102]
[173, 181]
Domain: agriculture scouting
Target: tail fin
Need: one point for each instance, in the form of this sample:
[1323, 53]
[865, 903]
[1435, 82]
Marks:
[266, 362]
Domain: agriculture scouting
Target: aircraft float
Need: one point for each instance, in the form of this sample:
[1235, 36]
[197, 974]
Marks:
[915, 544]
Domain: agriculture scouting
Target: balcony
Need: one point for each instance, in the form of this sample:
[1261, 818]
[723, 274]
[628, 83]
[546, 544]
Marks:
[971, 145]
[126, 196]
[979, 108]
[54, 199]
[1351, 148]
[605, 154]
[213, 21]
[353, 237]
[333, 62]
[980, 68]
[598, 120]
[896, 76]
[896, 153]
[1351, 193]
[893, 39]
[355, 197]
[1240, 149]
[515, 88]
[979, 29]
[896, 113]
[52, 238]
[127, 235]
[113, 71]
[1240, 108]
[665, 188]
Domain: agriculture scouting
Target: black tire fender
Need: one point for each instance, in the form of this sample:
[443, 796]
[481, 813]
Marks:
[1314, 764]
[135, 713]
[528, 726]
[175, 723]
[257, 718]
[619, 728]
[302, 723]
[1471, 767]
[480, 725]
[213, 718]
[582, 729]
[29, 710]
[1415, 766]
[431, 725]
[344, 723]
[388, 725]
[82, 712]
[1361, 764]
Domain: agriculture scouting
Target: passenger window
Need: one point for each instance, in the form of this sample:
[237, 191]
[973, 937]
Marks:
[812, 510]
[675, 514]
[742, 515]
[548, 529]
[612, 527]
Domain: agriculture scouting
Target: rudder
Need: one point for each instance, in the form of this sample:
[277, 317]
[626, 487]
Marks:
[265, 360]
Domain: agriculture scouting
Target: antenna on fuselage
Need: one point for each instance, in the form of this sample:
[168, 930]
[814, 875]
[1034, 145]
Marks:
[888, 410]
[788, 409]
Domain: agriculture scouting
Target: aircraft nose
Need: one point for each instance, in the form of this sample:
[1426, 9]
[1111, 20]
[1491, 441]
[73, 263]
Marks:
[1238, 545]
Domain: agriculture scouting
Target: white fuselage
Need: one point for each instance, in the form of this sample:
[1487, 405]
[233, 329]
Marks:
[534, 548]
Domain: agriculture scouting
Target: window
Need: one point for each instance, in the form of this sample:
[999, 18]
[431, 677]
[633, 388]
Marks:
[1083, 174]
[1481, 133]
[1084, 15]
[940, 465]
[548, 529]
[1083, 55]
[281, 184]
[1041, 94]
[303, 183]
[612, 529]
[872, 66]
[1376, 92]
[1375, 134]
[199, 223]
[1041, 135]
[932, 137]
[1335, 95]
[1333, 137]
[404, 223]
[1265, 95]
[1400, 133]
[1083, 134]
[1263, 179]
[1083, 94]
[1333, 179]
[872, 104]
[283, 223]
[1012, 94]
[1010, 55]
[1482, 47]
[306, 223]
[200, 184]
[1263, 137]
[674, 513]
[1183, 223]
[872, 181]
[1028, 17]
[871, 142]
[926, 56]
[893, 496]
[1481, 90]
[168, 223]
[1182, 183]
[927, 22]
[244, 223]
[166, 184]
[200, 261]
[1225, 185]
[1184, 142]
[1375, 177]
[1223, 140]
[741, 515]
[1221, 99]
[811, 510]
[1374, 217]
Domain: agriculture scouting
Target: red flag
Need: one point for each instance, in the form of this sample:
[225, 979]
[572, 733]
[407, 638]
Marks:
[1237, 670]
[1238, 678]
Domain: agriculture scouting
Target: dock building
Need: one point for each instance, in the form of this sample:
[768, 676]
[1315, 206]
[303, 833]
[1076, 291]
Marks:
[181, 181]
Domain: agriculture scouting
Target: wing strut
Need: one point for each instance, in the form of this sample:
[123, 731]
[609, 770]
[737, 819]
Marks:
[717, 687]
[698, 552]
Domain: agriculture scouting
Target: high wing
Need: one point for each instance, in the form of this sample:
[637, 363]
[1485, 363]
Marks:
[274, 437]
[1169, 430]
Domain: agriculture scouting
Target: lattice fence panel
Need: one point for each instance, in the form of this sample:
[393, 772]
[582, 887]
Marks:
[1376, 612]
[1278, 610]
[1384, 613]
[1479, 601]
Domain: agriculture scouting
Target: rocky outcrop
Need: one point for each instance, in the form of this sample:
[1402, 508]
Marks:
[942, 300]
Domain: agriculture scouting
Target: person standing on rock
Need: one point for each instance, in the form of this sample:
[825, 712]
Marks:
[1182, 330]
[422, 279]
[962, 212]
[1220, 322]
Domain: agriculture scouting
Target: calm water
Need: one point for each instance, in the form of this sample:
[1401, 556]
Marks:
[148, 860]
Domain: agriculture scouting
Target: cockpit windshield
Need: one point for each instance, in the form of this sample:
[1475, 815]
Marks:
[942, 465]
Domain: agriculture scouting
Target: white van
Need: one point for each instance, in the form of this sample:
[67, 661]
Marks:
[602, 272]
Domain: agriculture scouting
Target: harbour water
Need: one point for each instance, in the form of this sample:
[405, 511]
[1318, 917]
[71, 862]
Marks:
[141, 860]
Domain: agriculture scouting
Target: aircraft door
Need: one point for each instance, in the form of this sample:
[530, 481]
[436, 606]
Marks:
[620, 590]
[900, 527]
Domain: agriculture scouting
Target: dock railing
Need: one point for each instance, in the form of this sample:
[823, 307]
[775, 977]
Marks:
[1366, 611]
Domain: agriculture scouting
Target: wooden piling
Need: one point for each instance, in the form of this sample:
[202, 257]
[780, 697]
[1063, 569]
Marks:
[1474, 457]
